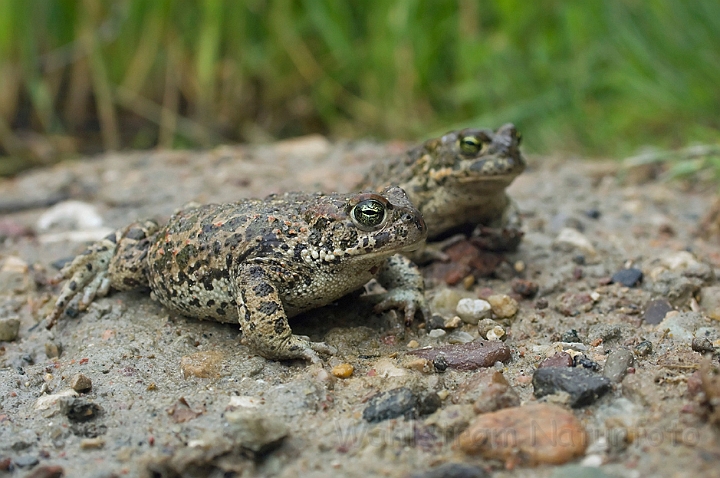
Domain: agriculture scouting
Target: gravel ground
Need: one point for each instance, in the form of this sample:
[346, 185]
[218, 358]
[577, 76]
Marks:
[599, 360]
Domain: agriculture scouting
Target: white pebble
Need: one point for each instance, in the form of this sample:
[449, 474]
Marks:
[472, 310]
[496, 333]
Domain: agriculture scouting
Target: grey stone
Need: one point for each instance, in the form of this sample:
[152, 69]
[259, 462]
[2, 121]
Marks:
[617, 364]
[582, 385]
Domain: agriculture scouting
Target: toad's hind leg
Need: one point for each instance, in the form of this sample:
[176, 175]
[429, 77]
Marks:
[264, 322]
[117, 260]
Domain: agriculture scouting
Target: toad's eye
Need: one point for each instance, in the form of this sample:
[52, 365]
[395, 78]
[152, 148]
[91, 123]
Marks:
[368, 213]
[470, 145]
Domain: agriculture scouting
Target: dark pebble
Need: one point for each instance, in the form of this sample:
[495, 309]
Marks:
[584, 362]
[583, 386]
[440, 363]
[399, 402]
[579, 259]
[560, 359]
[617, 364]
[702, 345]
[26, 461]
[435, 322]
[470, 356]
[453, 470]
[541, 303]
[80, 410]
[593, 213]
[628, 277]
[643, 349]
[655, 311]
[524, 287]
[47, 471]
[571, 336]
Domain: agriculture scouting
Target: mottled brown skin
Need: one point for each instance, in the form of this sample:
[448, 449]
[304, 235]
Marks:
[260, 261]
[458, 181]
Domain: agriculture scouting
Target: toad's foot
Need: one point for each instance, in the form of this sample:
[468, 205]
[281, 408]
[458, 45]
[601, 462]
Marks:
[87, 277]
[408, 300]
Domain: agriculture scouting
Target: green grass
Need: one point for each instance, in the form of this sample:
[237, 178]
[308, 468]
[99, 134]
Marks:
[599, 78]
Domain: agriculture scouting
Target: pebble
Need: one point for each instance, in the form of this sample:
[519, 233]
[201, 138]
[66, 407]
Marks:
[47, 471]
[400, 402]
[710, 301]
[628, 277]
[472, 310]
[79, 409]
[445, 300]
[643, 349]
[45, 402]
[503, 305]
[529, 434]
[460, 337]
[681, 325]
[583, 386]
[496, 333]
[436, 333]
[439, 363]
[81, 383]
[617, 364]
[470, 356]
[254, 430]
[204, 364]
[343, 370]
[9, 329]
[702, 345]
[435, 321]
[92, 443]
[70, 215]
[453, 323]
[413, 344]
[560, 359]
[604, 332]
[26, 461]
[655, 311]
[488, 391]
[569, 239]
[570, 336]
[485, 326]
[52, 350]
[453, 470]
[524, 287]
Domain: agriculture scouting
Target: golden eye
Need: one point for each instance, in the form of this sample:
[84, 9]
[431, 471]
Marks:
[470, 145]
[368, 213]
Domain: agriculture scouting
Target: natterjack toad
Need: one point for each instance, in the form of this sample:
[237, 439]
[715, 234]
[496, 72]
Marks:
[257, 262]
[459, 180]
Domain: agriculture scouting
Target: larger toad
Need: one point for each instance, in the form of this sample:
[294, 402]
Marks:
[459, 180]
[257, 262]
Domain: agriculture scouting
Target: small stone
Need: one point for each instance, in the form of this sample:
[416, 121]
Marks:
[571, 336]
[529, 434]
[496, 333]
[541, 303]
[472, 310]
[445, 300]
[503, 305]
[70, 215]
[628, 277]
[453, 323]
[47, 471]
[92, 443]
[79, 409]
[468, 282]
[617, 364]
[604, 333]
[9, 329]
[81, 383]
[204, 364]
[643, 349]
[439, 363]
[451, 419]
[399, 402]
[26, 461]
[702, 345]
[436, 333]
[453, 470]
[583, 386]
[255, 431]
[655, 311]
[435, 321]
[593, 213]
[421, 365]
[470, 356]
[413, 344]
[343, 370]
[525, 288]
[681, 326]
[710, 301]
[569, 239]
[52, 350]
[560, 359]
[459, 337]
[485, 326]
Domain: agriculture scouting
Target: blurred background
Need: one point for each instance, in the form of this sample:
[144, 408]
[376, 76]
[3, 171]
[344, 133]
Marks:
[602, 79]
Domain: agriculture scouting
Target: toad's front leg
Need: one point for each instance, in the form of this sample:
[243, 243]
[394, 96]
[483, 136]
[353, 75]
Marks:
[263, 320]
